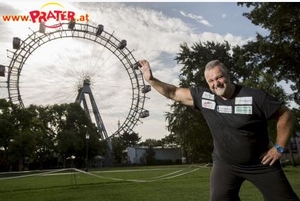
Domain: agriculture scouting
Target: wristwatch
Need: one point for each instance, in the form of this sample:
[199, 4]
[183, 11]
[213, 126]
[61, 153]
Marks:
[279, 149]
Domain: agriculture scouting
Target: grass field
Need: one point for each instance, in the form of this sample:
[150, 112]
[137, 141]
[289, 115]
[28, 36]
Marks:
[159, 183]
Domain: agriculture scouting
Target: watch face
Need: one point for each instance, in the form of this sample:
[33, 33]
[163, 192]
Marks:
[280, 150]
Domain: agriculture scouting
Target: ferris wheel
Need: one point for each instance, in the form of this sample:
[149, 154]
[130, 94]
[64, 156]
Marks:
[51, 66]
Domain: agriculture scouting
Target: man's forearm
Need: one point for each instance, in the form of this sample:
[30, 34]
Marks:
[285, 127]
[167, 90]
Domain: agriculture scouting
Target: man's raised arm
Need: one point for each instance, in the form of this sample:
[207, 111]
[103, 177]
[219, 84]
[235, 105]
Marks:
[182, 95]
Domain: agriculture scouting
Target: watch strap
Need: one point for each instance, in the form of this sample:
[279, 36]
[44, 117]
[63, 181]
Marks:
[279, 149]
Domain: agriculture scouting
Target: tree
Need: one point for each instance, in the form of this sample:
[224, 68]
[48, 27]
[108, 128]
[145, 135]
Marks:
[151, 142]
[118, 149]
[37, 134]
[23, 146]
[121, 142]
[73, 124]
[194, 137]
[22, 149]
[44, 134]
[297, 129]
[170, 140]
[7, 121]
[297, 124]
[130, 139]
[150, 156]
[277, 53]
[23, 132]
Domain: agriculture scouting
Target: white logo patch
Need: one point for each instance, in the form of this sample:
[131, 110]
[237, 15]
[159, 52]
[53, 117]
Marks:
[208, 104]
[243, 109]
[243, 100]
[224, 109]
[208, 95]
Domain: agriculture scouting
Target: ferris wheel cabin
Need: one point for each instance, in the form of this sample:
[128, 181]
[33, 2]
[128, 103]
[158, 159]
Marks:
[16, 43]
[2, 70]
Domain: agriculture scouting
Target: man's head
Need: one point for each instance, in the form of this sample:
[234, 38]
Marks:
[218, 79]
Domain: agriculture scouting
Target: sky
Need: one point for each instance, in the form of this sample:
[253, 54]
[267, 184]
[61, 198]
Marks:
[153, 31]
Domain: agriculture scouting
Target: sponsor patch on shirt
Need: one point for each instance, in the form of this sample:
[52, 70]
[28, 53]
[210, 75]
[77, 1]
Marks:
[243, 100]
[243, 109]
[224, 109]
[208, 104]
[208, 95]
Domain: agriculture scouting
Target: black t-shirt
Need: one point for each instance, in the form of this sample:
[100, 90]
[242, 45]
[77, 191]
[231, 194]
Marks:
[238, 124]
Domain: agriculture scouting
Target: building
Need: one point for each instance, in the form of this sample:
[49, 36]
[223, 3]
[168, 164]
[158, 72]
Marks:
[137, 155]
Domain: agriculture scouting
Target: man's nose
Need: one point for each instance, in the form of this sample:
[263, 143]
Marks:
[216, 83]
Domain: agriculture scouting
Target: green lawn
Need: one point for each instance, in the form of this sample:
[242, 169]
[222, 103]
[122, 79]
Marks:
[160, 183]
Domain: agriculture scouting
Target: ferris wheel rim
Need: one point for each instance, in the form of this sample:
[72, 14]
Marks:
[85, 32]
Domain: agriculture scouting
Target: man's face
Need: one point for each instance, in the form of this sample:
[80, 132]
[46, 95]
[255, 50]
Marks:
[218, 81]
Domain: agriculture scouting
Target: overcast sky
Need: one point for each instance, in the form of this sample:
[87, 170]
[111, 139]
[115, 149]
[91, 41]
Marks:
[153, 30]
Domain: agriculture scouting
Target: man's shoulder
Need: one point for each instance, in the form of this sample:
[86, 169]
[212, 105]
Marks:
[244, 90]
[199, 90]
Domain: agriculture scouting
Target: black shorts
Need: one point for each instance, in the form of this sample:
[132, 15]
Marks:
[226, 180]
